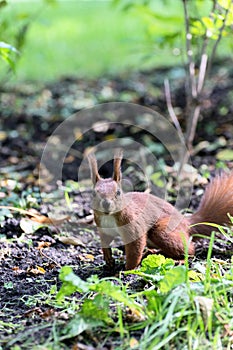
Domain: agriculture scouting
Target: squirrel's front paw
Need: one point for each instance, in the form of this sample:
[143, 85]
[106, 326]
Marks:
[110, 263]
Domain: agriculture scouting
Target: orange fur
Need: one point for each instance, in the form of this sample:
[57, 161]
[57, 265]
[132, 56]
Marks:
[140, 217]
[216, 203]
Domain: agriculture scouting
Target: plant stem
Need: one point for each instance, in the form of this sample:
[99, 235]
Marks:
[219, 37]
[171, 109]
[189, 52]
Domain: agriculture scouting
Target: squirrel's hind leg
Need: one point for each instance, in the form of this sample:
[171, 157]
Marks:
[172, 242]
[134, 252]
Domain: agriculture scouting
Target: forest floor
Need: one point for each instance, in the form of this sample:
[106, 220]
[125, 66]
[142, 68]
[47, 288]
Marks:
[31, 256]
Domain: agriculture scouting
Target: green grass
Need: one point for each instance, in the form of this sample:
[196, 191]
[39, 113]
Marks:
[179, 308]
[94, 38]
[85, 38]
[82, 38]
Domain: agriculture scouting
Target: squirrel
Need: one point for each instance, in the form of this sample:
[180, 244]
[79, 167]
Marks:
[140, 217]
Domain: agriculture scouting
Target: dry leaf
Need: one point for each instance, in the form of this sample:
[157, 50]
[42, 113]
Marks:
[206, 307]
[90, 257]
[36, 271]
[17, 270]
[71, 240]
[47, 314]
[31, 312]
[36, 216]
[42, 219]
[134, 315]
[86, 257]
[28, 226]
[42, 245]
[133, 343]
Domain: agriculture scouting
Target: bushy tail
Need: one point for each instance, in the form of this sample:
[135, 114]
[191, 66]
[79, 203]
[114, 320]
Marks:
[216, 203]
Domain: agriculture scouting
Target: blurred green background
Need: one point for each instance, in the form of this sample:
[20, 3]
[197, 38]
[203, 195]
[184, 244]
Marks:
[96, 38]
[85, 39]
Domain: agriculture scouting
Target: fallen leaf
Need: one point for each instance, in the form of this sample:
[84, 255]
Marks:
[36, 271]
[28, 226]
[48, 221]
[206, 307]
[17, 270]
[71, 240]
[36, 216]
[133, 343]
[3, 135]
[86, 257]
[31, 312]
[90, 257]
[42, 245]
[134, 315]
[47, 314]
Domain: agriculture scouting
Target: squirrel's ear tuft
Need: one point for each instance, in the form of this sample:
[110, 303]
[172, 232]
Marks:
[95, 176]
[117, 165]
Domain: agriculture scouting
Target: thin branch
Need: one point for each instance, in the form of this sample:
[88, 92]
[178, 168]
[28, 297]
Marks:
[193, 126]
[204, 55]
[189, 52]
[219, 37]
[190, 134]
[170, 107]
[206, 36]
[202, 73]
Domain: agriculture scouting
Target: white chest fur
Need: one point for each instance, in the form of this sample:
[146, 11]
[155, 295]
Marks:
[108, 225]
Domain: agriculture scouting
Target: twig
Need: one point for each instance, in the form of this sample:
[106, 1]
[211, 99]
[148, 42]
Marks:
[204, 56]
[19, 210]
[170, 107]
[219, 37]
[206, 37]
[189, 52]
[193, 125]
[49, 258]
[202, 73]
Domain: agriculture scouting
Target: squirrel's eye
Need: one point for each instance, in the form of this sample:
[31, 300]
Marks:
[93, 193]
[118, 193]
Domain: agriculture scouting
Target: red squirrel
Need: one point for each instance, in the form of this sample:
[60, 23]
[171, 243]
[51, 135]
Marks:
[139, 217]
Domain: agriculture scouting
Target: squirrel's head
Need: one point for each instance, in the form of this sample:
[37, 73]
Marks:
[107, 194]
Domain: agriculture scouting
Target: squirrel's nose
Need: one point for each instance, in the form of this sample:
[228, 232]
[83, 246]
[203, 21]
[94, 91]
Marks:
[106, 204]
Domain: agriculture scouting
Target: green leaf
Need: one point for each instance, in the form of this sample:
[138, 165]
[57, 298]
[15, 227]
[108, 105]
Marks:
[71, 283]
[226, 154]
[155, 262]
[153, 268]
[157, 180]
[96, 309]
[6, 46]
[197, 28]
[114, 292]
[3, 3]
[208, 22]
[224, 3]
[195, 276]
[173, 278]
[78, 325]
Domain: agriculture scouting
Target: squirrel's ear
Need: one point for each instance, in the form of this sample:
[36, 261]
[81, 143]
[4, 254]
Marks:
[117, 165]
[95, 176]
